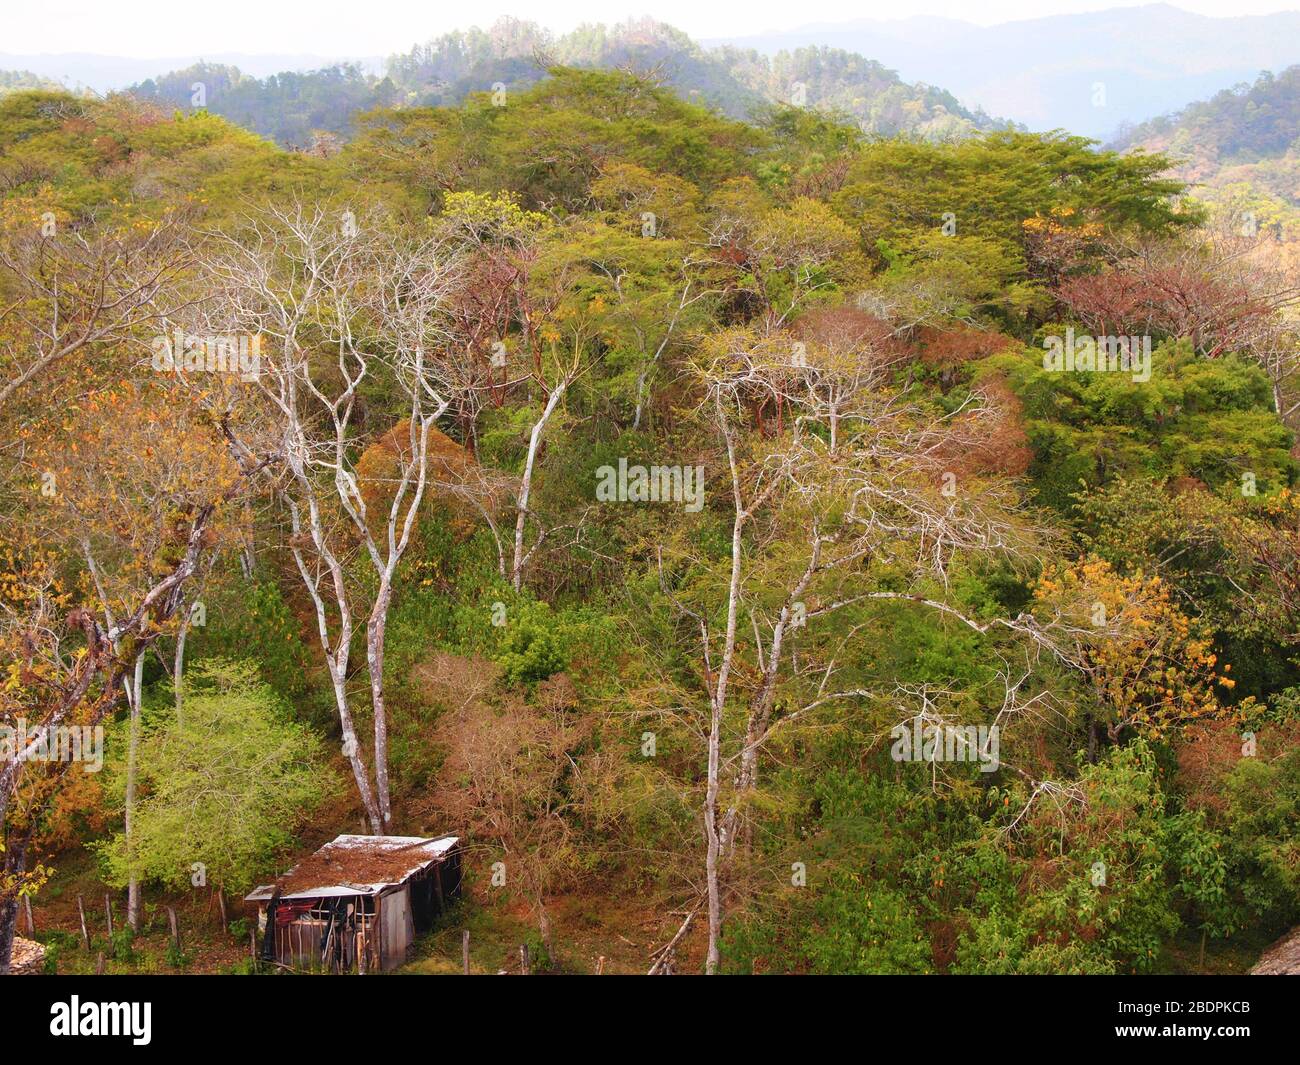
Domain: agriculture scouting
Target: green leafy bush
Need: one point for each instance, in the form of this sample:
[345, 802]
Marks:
[222, 789]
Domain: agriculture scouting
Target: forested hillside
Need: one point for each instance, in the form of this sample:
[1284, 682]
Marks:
[1240, 149]
[13, 80]
[770, 547]
[1088, 71]
[294, 107]
[1241, 124]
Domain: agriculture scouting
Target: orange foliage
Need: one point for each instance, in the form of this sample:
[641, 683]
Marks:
[379, 471]
[1152, 667]
[992, 441]
[948, 348]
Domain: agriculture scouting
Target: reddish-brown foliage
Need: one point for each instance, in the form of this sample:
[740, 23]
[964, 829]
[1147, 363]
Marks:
[948, 348]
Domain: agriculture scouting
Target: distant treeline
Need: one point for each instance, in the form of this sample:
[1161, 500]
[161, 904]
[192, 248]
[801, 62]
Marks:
[294, 108]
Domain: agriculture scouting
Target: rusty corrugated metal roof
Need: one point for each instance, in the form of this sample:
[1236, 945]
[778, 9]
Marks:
[356, 865]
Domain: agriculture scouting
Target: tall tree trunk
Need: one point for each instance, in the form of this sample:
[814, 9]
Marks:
[14, 865]
[135, 690]
[352, 751]
[336, 656]
[640, 397]
[525, 489]
[713, 842]
[376, 627]
[178, 663]
[713, 849]
[760, 707]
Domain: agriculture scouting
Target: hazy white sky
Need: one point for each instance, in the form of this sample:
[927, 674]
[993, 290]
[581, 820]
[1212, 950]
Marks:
[149, 28]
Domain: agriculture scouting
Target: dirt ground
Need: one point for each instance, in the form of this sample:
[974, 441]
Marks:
[585, 928]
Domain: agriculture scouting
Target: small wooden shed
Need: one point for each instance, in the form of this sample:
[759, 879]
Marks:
[357, 904]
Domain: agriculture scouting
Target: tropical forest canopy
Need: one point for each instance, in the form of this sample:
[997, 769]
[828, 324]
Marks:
[680, 508]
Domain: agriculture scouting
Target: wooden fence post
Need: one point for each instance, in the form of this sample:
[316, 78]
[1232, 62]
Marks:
[175, 927]
[523, 958]
[464, 949]
[85, 932]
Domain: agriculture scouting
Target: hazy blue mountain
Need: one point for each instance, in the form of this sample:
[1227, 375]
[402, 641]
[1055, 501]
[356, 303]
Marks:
[1091, 73]
[734, 80]
[1240, 147]
[1044, 72]
[292, 105]
[105, 73]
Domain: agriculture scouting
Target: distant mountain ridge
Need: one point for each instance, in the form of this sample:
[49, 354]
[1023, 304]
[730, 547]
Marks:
[15, 80]
[1094, 74]
[291, 107]
[1047, 72]
[108, 73]
[1245, 123]
[1240, 148]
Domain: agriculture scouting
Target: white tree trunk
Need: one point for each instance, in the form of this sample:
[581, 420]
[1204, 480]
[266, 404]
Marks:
[178, 663]
[375, 631]
[712, 831]
[352, 752]
[525, 489]
[134, 692]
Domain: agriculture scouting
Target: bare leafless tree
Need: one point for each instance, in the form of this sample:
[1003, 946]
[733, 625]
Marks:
[65, 288]
[339, 302]
[810, 525]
